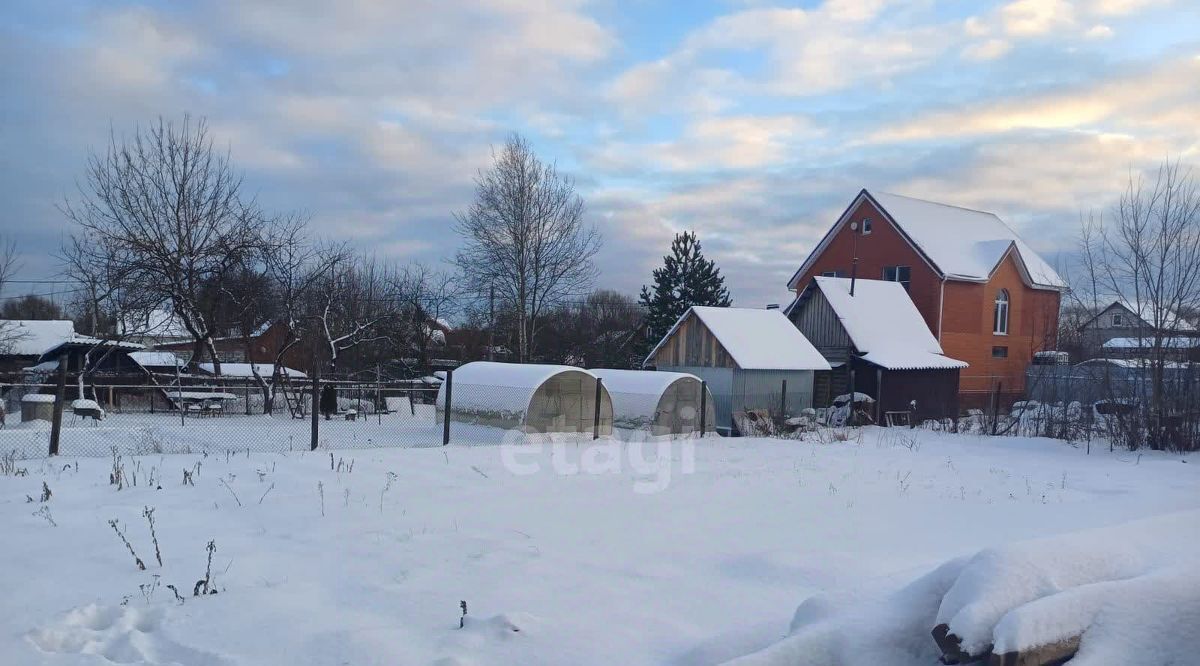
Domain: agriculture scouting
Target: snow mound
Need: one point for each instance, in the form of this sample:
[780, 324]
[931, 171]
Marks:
[863, 630]
[1123, 594]
[998, 581]
[479, 640]
[117, 634]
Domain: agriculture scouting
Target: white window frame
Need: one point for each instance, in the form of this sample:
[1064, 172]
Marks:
[896, 275]
[866, 227]
[1000, 312]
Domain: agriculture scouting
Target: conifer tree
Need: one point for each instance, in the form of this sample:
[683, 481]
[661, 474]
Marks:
[686, 278]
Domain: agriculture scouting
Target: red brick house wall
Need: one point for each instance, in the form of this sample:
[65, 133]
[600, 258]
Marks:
[959, 313]
[968, 336]
[884, 246]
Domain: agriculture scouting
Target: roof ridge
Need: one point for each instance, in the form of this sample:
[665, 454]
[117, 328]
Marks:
[943, 204]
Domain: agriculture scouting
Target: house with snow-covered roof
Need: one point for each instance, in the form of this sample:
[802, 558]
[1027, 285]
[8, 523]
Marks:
[876, 343]
[1130, 328]
[37, 345]
[22, 341]
[985, 295]
[745, 355]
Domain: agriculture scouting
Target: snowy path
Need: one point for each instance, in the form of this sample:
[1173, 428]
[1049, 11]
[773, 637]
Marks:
[555, 568]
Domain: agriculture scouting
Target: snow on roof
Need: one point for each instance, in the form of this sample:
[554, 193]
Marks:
[508, 375]
[32, 338]
[156, 359]
[645, 382]
[635, 393]
[1133, 363]
[963, 244]
[1146, 343]
[884, 325]
[201, 395]
[245, 370]
[1148, 312]
[498, 387]
[755, 339]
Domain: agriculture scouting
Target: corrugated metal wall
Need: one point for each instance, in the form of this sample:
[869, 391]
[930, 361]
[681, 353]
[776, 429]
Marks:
[763, 389]
[738, 390]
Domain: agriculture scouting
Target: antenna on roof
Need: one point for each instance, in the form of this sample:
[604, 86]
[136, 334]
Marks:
[854, 262]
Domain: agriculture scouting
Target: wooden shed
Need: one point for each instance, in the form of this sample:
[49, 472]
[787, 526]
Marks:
[877, 343]
[751, 359]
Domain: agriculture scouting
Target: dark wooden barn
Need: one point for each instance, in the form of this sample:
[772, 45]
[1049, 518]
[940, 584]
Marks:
[877, 343]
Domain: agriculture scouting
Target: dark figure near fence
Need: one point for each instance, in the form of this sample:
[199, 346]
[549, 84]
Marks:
[328, 401]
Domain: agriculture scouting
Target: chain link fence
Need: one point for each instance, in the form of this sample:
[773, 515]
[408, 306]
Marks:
[230, 415]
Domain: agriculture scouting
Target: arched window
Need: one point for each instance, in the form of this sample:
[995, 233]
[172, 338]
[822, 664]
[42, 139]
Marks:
[1000, 314]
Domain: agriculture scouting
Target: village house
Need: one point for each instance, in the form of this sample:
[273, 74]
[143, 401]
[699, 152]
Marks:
[22, 341]
[876, 343]
[1128, 330]
[988, 299]
[751, 360]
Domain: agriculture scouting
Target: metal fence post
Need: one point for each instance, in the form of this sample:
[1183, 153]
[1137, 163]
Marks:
[852, 419]
[996, 406]
[703, 406]
[596, 418]
[60, 396]
[446, 409]
[783, 400]
[316, 405]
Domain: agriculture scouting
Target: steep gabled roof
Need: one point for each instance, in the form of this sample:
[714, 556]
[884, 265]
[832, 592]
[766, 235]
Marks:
[884, 325]
[958, 243]
[1173, 320]
[755, 339]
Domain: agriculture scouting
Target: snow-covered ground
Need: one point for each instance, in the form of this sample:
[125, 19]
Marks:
[695, 562]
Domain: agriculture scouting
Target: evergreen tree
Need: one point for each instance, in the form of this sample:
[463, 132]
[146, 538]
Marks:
[685, 279]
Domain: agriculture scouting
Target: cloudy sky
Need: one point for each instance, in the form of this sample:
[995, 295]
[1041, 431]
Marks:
[751, 123]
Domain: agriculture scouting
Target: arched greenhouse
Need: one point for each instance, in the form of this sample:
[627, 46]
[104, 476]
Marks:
[526, 397]
[661, 403]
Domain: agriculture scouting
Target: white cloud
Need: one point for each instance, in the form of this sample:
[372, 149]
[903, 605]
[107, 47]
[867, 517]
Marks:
[837, 45]
[1022, 18]
[731, 142]
[1124, 7]
[1046, 20]
[987, 50]
[1150, 100]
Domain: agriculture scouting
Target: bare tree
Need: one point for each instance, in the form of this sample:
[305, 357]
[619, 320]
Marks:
[164, 213]
[9, 335]
[525, 237]
[351, 302]
[293, 267]
[604, 330]
[427, 297]
[1149, 258]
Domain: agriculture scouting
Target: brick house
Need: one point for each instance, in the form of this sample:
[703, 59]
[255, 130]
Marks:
[986, 296]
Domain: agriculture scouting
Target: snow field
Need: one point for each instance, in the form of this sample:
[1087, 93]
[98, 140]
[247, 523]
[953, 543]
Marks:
[321, 566]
